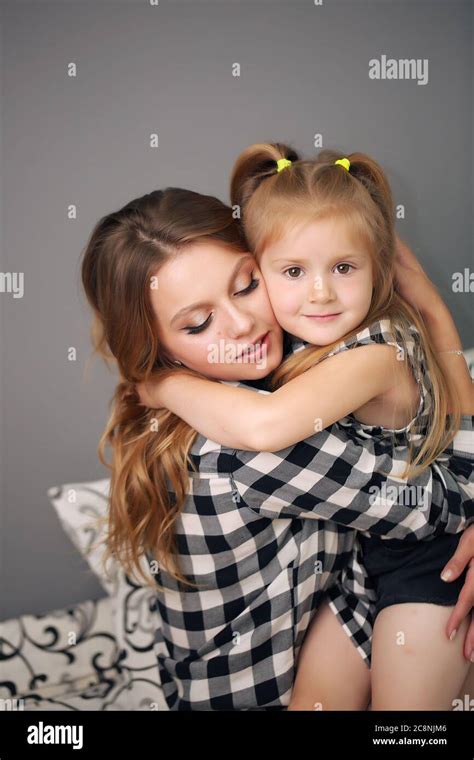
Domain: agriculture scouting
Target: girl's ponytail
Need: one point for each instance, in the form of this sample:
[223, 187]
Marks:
[254, 164]
[374, 179]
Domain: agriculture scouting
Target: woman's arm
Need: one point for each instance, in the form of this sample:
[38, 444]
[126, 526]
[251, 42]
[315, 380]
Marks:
[441, 326]
[317, 398]
[416, 287]
[332, 476]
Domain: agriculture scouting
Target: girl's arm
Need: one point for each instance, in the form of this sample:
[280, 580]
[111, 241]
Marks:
[243, 419]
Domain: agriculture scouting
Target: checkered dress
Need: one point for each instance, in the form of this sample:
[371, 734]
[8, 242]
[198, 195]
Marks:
[342, 598]
[265, 535]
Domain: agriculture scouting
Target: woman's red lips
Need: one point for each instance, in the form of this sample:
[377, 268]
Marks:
[263, 340]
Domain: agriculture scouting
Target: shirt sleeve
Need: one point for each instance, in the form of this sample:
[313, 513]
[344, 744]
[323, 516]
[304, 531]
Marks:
[336, 476]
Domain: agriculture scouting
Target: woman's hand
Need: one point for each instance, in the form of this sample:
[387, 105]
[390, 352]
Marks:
[462, 557]
[415, 286]
[411, 280]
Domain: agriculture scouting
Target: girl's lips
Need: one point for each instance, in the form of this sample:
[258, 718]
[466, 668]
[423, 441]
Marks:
[325, 318]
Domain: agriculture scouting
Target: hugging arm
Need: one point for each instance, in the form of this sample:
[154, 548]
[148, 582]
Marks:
[323, 394]
[268, 422]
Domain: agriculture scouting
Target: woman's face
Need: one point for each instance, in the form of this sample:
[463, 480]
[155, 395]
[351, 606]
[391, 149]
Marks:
[213, 313]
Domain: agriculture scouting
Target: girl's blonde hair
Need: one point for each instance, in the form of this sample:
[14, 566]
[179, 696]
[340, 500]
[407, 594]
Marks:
[150, 448]
[272, 202]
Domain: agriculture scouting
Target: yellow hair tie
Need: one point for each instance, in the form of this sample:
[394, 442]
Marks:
[282, 163]
[343, 162]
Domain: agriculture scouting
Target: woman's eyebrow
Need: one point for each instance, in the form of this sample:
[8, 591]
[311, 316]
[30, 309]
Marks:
[198, 305]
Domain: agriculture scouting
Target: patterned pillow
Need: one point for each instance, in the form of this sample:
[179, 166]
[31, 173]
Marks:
[82, 511]
[67, 659]
[469, 354]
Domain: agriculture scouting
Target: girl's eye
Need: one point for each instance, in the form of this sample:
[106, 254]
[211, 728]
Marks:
[253, 284]
[291, 272]
[198, 328]
[343, 265]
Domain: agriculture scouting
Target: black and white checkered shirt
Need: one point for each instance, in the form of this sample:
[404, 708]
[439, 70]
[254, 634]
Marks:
[265, 535]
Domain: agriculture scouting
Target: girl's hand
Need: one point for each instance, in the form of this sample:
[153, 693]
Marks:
[462, 557]
[148, 393]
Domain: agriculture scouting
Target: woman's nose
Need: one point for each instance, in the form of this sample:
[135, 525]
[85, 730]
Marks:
[239, 323]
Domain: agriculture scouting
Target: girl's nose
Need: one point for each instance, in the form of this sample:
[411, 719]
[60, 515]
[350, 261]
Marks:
[320, 290]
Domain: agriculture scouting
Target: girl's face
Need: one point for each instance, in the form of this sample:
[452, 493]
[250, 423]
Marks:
[319, 280]
[214, 315]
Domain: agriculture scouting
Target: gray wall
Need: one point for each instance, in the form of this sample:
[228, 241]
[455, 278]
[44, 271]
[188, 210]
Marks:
[168, 69]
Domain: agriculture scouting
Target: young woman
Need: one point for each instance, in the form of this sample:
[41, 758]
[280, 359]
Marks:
[234, 539]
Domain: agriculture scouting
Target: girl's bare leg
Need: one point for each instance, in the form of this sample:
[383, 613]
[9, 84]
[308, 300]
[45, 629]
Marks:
[331, 674]
[414, 665]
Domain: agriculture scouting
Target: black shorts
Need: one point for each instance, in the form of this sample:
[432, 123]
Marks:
[403, 571]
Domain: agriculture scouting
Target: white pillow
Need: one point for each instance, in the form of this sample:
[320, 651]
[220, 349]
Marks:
[469, 354]
[82, 511]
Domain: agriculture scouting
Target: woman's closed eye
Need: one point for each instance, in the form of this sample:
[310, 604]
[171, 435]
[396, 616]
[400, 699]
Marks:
[254, 281]
[251, 286]
[198, 328]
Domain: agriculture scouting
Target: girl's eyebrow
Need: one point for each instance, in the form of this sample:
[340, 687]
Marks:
[290, 261]
[243, 260]
[338, 255]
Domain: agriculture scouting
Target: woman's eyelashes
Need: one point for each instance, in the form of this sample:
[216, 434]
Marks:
[253, 284]
[198, 328]
[254, 281]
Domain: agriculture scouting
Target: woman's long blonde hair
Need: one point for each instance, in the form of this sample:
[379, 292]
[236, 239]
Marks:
[150, 448]
[271, 202]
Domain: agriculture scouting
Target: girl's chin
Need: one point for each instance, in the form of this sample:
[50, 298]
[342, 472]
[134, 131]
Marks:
[323, 336]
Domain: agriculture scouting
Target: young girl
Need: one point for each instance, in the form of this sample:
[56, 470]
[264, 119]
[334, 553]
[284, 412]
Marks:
[323, 235]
